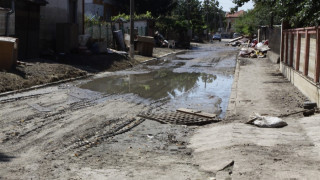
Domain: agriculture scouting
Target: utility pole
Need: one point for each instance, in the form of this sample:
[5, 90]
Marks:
[131, 29]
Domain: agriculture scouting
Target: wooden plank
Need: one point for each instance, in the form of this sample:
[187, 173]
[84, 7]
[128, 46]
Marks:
[198, 113]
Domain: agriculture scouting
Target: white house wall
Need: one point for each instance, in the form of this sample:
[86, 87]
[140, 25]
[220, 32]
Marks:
[3, 23]
[57, 11]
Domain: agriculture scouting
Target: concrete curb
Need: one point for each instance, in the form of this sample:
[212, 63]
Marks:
[231, 110]
[44, 85]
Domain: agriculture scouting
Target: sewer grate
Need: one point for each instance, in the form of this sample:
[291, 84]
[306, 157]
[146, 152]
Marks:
[179, 118]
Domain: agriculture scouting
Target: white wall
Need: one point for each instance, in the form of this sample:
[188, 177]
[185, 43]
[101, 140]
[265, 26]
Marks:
[3, 23]
[137, 25]
[57, 11]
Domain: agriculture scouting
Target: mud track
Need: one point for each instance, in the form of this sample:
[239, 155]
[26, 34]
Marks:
[65, 132]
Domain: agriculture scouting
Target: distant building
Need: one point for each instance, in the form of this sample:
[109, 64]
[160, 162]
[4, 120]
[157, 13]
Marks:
[231, 18]
[105, 9]
[21, 19]
[34, 23]
[57, 14]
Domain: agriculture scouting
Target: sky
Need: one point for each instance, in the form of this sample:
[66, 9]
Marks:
[227, 4]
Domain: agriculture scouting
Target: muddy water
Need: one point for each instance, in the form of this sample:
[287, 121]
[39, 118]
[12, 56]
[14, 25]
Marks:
[179, 86]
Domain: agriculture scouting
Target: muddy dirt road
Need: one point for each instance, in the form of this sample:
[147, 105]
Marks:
[89, 129]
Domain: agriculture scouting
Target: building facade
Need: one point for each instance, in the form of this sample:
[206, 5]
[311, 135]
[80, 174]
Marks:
[104, 9]
[59, 12]
[231, 18]
[4, 25]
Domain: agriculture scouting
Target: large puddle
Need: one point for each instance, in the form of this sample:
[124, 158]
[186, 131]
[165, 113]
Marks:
[198, 91]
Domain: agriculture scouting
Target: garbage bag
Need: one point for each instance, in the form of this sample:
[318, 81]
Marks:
[259, 45]
[267, 121]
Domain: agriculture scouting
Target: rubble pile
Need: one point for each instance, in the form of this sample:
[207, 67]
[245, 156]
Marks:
[255, 49]
[250, 48]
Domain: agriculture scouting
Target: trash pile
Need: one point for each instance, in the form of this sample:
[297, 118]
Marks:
[255, 49]
[250, 48]
[240, 41]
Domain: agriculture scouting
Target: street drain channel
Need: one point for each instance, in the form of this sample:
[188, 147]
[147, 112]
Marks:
[179, 118]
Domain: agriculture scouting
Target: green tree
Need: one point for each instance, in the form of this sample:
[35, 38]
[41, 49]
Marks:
[246, 24]
[299, 13]
[213, 15]
[190, 10]
[156, 7]
[252, 19]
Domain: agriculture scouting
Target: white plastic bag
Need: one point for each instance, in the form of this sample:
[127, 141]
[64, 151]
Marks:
[267, 121]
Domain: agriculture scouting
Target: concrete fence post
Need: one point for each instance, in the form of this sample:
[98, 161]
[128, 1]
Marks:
[287, 48]
[282, 45]
[316, 78]
[291, 49]
[307, 50]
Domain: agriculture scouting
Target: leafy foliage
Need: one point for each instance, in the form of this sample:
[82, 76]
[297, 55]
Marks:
[190, 10]
[92, 20]
[156, 7]
[299, 13]
[213, 15]
[178, 15]
[251, 20]
[126, 17]
[246, 24]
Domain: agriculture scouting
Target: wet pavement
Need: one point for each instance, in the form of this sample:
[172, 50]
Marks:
[90, 129]
[199, 79]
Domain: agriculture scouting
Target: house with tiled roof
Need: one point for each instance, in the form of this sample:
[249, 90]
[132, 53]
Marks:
[231, 18]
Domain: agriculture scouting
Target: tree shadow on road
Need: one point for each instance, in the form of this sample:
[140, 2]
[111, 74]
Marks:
[5, 158]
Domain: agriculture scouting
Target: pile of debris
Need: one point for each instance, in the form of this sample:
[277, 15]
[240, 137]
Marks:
[250, 48]
[255, 49]
[239, 41]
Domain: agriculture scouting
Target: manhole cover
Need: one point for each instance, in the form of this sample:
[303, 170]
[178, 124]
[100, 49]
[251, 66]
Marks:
[179, 118]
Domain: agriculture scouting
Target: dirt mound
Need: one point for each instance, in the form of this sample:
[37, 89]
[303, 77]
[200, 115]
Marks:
[99, 62]
[42, 71]
[31, 74]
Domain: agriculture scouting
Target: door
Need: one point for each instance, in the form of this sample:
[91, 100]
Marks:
[27, 29]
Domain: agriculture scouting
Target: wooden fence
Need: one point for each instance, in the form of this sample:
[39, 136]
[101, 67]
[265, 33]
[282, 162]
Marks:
[300, 50]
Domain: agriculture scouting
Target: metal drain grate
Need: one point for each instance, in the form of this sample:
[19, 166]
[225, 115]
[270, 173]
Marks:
[179, 118]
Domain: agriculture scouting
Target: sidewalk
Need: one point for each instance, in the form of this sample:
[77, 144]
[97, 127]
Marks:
[232, 149]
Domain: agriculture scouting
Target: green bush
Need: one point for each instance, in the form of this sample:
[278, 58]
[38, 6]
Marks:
[126, 17]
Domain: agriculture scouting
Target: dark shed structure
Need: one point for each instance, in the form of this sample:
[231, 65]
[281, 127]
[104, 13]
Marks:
[27, 25]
